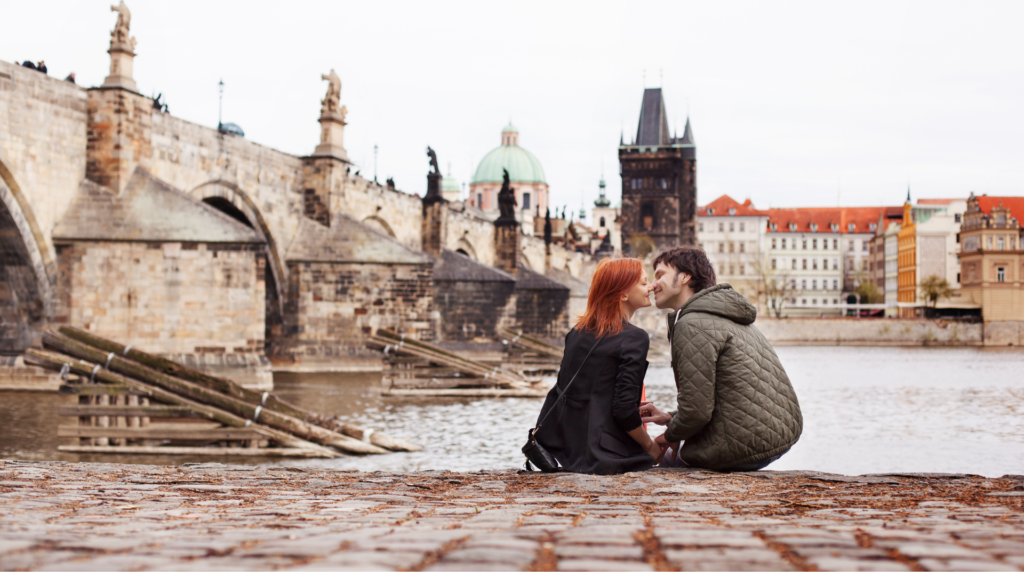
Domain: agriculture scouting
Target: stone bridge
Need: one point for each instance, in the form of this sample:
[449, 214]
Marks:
[55, 135]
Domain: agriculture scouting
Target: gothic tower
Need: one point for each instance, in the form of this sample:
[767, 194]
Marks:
[659, 180]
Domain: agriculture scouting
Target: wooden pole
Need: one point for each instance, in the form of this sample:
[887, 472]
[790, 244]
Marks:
[54, 361]
[229, 388]
[250, 411]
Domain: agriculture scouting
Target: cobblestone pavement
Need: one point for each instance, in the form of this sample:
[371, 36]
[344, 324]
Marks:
[62, 516]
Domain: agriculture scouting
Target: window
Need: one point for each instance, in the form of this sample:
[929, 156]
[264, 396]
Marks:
[1013, 242]
[849, 264]
[647, 215]
[957, 277]
[1000, 274]
[864, 246]
[999, 243]
[773, 244]
[793, 267]
[743, 227]
[742, 244]
[835, 243]
[803, 286]
[774, 226]
[721, 247]
[835, 263]
[851, 245]
[814, 227]
[814, 301]
[732, 225]
[792, 226]
[732, 269]
[773, 263]
[711, 211]
[721, 227]
[602, 224]
[956, 218]
[835, 300]
[814, 284]
[804, 243]
[792, 286]
[526, 200]
[803, 301]
[988, 242]
[783, 243]
[835, 286]
[480, 201]
[814, 264]
[805, 263]
[732, 211]
[732, 247]
[664, 184]
[814, 244]
[742, 270]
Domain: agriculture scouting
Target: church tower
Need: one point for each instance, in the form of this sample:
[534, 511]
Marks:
[659, 179]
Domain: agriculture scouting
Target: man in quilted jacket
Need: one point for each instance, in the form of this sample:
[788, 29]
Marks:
[737, 410]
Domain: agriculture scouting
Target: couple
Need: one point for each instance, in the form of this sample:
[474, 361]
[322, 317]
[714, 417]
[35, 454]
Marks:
[736, 408]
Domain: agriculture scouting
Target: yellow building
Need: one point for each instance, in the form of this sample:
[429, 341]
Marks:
[991, 257]
[907, 262]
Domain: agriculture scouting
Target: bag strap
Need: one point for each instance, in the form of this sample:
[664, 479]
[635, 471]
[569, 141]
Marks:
[566, 389]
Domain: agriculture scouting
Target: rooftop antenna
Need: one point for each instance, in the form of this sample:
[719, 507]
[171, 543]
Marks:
[374, 162]
[220, 105]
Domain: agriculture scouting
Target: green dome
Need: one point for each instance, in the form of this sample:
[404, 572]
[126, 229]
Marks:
[521, 165]
[509, 128]
[449, 184]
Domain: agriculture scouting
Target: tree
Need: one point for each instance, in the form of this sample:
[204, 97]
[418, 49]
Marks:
[868, 293]
[775, 285]
[642, 244]
[934, 288]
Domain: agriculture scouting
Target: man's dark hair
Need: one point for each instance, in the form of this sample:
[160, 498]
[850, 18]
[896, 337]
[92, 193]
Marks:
[689, 260]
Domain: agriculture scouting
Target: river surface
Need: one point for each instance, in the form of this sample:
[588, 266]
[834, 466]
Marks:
[866, 410]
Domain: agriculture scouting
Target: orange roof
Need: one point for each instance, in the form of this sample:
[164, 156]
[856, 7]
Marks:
[938, 201]
[721, 205]
[862, 218]
[1014, 203]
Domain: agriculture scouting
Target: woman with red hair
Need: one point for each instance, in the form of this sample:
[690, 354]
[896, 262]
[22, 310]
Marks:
[590, 421]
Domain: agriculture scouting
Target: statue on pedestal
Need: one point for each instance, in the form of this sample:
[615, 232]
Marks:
[332, 100]
[433, 161]
[119, 35]
[506, 199]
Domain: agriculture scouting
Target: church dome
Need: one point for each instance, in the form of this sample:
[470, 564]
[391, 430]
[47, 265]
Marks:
[521, 165]
[449, 184]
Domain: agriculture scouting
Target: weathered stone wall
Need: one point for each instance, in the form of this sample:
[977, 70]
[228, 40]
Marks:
[331, 308]
[473, 311]
[169, 298]
[470, 233]
[394, 212]
[543, 313]
[870, 331]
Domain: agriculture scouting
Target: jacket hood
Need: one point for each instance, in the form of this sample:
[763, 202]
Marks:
[721, 300]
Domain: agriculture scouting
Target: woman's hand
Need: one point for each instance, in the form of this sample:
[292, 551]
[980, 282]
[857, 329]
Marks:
[655, 451]
[650, 413]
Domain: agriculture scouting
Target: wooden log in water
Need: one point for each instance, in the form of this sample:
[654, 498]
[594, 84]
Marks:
[385, 339]
[138, 411]
[230, 388]
[517, 338]
[54, 361]
[160, 433]
[237, 406]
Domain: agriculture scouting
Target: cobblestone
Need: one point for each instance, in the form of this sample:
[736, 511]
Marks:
[74, 517]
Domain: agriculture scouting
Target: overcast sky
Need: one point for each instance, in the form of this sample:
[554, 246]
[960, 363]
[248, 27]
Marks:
[792, 103]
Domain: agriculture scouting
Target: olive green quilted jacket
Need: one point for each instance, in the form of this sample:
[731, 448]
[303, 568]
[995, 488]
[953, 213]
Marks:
[736, 404]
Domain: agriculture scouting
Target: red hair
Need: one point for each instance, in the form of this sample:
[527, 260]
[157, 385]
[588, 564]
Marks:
[612, 279]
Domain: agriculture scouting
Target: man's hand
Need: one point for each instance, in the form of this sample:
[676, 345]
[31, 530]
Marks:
[655, 451]
[650, 413]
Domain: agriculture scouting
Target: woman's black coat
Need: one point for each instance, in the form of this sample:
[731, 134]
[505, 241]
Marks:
[586, 430]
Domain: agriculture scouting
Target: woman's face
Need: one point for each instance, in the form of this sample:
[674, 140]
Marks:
[638, 296]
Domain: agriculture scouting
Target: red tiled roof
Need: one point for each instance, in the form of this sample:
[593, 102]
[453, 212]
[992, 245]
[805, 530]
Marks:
[1014, 203]
[938, 201]
[721, 205]
[861, 217]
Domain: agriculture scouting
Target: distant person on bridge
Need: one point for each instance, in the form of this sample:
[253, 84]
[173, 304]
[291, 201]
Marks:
[736, 409]
[41, 66]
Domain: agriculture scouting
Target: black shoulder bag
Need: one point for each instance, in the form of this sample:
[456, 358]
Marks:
[536, 454]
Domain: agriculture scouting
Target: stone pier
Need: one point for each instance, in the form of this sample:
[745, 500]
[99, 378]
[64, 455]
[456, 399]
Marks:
[60, 517]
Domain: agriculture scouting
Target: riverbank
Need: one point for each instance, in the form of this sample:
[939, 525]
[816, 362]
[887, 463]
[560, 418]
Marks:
[61, 517]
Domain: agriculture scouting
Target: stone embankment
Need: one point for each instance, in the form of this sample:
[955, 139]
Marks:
[61, 517]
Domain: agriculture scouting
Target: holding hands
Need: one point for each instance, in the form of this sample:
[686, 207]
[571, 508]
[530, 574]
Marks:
[650, 413]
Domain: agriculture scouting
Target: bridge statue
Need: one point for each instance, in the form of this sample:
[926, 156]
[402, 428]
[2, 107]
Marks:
[119, 35]
[506, 199]
[433, 160]
[333, 99]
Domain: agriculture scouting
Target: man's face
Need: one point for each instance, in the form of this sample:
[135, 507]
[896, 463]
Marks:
[668, 284]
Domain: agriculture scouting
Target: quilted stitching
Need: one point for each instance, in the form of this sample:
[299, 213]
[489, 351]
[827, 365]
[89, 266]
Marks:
[736, 403]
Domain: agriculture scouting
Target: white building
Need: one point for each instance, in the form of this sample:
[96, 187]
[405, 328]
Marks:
[732, 234]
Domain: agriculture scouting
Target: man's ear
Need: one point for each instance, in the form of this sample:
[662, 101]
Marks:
[683, 278]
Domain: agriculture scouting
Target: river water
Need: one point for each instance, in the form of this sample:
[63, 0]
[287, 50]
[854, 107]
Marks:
[866, 410]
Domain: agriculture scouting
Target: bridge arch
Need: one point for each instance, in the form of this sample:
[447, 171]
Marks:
[464, 246]
[380, 224]
[27, 265]
[228, 198]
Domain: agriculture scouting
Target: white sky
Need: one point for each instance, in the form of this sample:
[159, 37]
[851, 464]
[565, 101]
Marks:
[792, 103]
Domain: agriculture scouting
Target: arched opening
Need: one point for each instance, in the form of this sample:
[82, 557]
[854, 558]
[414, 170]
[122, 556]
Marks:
[24, 283]
[379, 224]
[464, 247]
[225, 206]
[461, 251]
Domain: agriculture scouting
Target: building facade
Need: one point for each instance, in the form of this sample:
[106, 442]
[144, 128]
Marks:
[732, 234]
[659, 179]
[991, 258]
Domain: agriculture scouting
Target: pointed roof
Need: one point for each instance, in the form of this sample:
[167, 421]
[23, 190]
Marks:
[653, 127]
[687, 134]
[720, 207]
[348, 241]
[147, 211]
[527, 279]
[455, 267]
